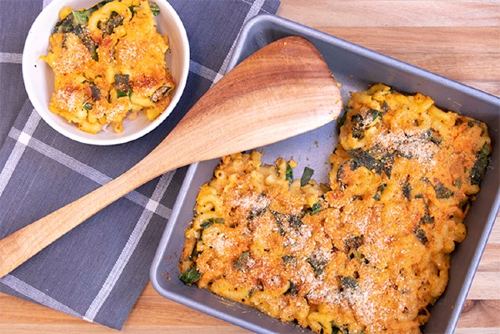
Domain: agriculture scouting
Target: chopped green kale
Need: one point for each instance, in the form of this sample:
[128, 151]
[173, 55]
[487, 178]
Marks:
[314, 209]
[479, 168]
[292, 289]
[122, 85]
[155, 9]
[348, 282]
[209, 222]
[242, 260]
[306, 176]
[380, 190]
[406, 188]
[190, 276]
[442, 191]
[289, 173]
[421, 236]
[318, 265]
[288, 259]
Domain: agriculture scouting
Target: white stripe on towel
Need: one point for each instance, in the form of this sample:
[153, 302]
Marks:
[128, 250]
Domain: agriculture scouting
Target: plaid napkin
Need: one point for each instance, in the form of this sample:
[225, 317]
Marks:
[97, 271]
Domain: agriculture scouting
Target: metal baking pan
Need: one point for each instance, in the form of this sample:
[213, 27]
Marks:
[355, 68]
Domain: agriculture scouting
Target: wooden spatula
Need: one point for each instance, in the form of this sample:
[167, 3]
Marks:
[282, 90]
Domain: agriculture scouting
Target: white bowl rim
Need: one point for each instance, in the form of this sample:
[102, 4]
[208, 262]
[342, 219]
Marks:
[48, 116]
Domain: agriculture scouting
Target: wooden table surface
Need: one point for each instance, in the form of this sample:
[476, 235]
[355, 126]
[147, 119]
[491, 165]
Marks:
[457, 39]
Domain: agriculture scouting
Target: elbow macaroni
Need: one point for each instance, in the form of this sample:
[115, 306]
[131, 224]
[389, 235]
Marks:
[368, 255]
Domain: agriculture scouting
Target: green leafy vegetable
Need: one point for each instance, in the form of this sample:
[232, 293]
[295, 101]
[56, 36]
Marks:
[374, 114]
[362, 158]
[95, 91]
[427, 218]
[380, 190]
[294, 221]
[479, 168]
[154, 8]
[442, 191]
[194, 253]
[114, 21]
[256, 212]
[353, 243]
[122, 85]
[318, 265]
[421, 236]
[464, 204]
[387, 161]
[190, 276]
[242, 260]
[160, 93]
[288, 259]
[292, 289]
[281, 219]
[314, 209]
[433, 136]
[289, 173]
[285, 220]
[360, 123]
[75, 23]
[406, 188]
[357, 130]
[121, 93]
[306, 176]
[87, 106]
[340, 176]
[209, 222]
[65, 25]
[89, 43]
[348, 282]
[81, 17]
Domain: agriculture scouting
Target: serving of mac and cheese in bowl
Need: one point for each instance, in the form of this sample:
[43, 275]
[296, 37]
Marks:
[106, 72]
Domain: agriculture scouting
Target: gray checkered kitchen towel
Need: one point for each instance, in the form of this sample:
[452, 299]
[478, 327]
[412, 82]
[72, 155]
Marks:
[98, 270]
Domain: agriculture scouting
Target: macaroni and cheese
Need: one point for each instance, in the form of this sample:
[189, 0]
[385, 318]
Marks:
[368, 253]
[109, 64]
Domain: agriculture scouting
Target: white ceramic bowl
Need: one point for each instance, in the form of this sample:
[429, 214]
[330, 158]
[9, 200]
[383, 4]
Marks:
[39, 78]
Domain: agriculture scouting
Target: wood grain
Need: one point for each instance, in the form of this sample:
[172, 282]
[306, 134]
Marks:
[282, 90]
[458, 39]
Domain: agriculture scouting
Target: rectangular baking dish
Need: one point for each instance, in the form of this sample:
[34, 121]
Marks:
[355, 68]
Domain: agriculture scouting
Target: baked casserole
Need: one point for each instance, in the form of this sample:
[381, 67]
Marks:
[368, 253]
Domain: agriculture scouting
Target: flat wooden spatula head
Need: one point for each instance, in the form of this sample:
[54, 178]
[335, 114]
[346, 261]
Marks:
[282, 90]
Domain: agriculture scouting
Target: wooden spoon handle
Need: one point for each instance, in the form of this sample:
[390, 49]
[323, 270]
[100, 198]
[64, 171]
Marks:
[23, 244]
